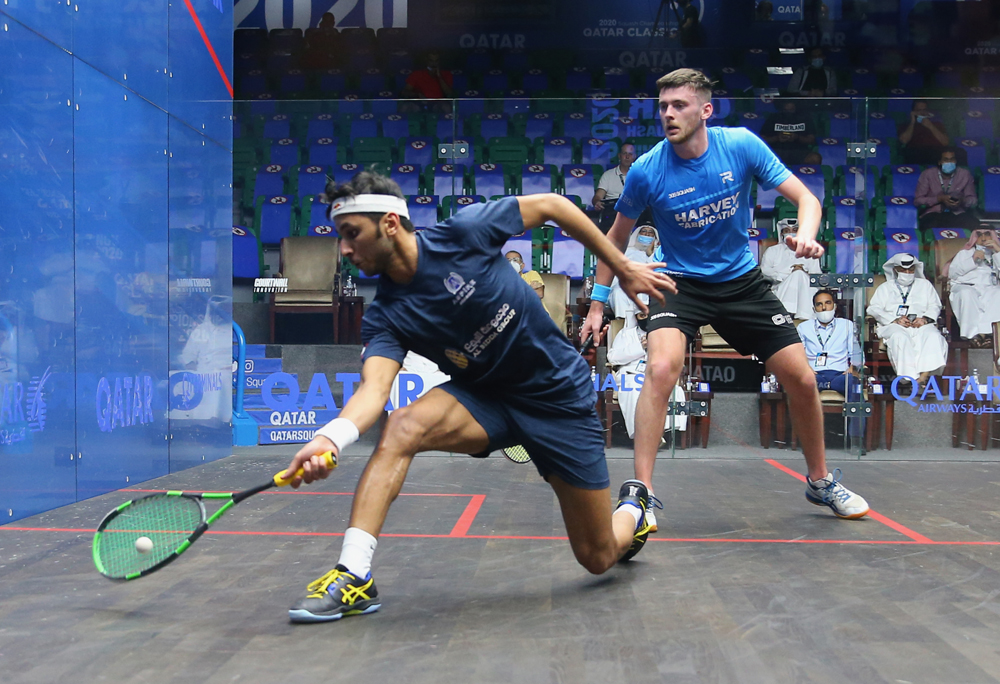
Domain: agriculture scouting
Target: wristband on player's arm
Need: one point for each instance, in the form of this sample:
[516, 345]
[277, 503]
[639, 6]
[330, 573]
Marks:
[341, 431]
[600, 293]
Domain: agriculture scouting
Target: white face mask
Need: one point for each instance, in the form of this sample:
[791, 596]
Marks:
[516, 266]
[906, 278]
[825, 316]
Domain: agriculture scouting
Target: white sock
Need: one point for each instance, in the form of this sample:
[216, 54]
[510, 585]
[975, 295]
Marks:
[357, 551]
[632, 510]
[826, 477]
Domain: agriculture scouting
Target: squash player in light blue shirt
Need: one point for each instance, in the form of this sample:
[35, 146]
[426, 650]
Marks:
[697, 184]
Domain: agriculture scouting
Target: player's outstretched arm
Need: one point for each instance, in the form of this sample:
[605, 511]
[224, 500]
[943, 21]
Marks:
[360, 413]
[810, 212]
[634, 278]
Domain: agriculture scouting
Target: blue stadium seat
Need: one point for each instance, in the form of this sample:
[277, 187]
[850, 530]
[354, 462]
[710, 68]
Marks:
[567, 254]
[864, 80]
[516, 102]
[246, 254]
[488, 180]
[277, 126]
[395, 126]
[311, 180]
[264, 107]
[275, 219]
[515, 60]
[900, 101]
[351, 104]
[363, 126]
[285, 152]
[423, 210]
[579, 180]
[317, 222]
[752, 121]
[460, 80]
[910, 79]
[539, 125]
[977, 124]
[596, 151]
[452, 204]
[948, 77]
[901, 240]
[900, 212]
[901, 180]
[858, 183]
[372, 81]
[333, 81]
[557, 151]
[270, 180]
[407, 176]
[323, 152]
[766, 198]
[495, 79]
[735, 81]
[494, 126]
[881, 125]
[384, 102]
[576, 125]
[321, 126]
[537, 178]
[991, 190]
[756, 58]
[448, 179]
[471, 102]
[616, 79]
[812, 177]
[447, 128]
[579, 78]
[843, 126]
[418, 150]
[833, 151]
[342, 173]
[848, 212]
[292, 81]
[883, 155]
[976, 151]
[535, 80]
[989, 78]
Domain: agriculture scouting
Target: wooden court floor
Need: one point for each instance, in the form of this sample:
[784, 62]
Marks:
[745, 582]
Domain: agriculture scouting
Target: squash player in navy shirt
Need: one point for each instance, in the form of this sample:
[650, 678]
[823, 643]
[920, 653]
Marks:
[697, 183]
[447, 293]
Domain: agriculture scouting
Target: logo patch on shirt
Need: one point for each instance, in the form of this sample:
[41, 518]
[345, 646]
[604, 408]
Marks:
[726, 176]
[454, 282]
[685, 191]
[780, 319]
[457, 358]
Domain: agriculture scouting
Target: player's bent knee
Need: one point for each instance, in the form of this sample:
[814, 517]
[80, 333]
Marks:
[663, 371]
[596, 561]
[405, 430]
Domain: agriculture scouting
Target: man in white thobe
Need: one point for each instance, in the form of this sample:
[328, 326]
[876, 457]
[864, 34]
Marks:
[975, 291]
[906, 307]
[790, 274]
[642, 246]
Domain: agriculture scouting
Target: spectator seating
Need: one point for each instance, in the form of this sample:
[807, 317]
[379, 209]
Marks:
[273, 218]
[488, 179]
[580, 180]
[248, 258]
[423, 210]
[536, 178]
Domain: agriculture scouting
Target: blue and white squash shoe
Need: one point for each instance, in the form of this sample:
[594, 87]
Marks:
[842, 501]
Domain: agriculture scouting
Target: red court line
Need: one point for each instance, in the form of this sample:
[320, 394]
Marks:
[514, 537]
[468, 515]
[211, 50]
[889, 522]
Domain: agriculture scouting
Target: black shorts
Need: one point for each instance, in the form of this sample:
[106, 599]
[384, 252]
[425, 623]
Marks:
[745, 311]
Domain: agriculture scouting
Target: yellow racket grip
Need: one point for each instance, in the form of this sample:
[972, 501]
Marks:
[331, 463]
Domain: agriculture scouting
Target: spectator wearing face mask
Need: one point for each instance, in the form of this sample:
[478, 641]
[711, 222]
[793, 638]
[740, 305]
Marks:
[529, 276]
[642, 246]
[975, 289]
[815, 80]
[923, 137]
[947, 193]
[789, 274]
[906, 307]
[832, 347]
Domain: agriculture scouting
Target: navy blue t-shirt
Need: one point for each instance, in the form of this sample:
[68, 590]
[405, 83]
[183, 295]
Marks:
[470, 313]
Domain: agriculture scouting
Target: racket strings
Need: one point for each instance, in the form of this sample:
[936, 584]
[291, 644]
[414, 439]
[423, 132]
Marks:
[165, 520]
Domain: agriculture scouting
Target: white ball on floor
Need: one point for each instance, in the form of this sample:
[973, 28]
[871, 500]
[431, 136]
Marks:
[143, 544]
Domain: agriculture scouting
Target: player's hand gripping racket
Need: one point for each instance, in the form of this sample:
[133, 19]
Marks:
[145, 534]
[517, 453]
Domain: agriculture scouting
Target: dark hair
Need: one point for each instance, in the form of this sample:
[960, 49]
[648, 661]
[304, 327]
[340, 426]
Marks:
[914, 105]
[825, 291]
[948, 148]
[368, 183]
[679, 78]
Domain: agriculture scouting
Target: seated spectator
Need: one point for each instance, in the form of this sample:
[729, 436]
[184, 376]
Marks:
[832, 347]
[789, 274]
[923, 137]
[906, 307]
[765, 11]
[975, 290]
[946, 193]
[814, 80]
[814, 158]
[610, 187]
[431, 82]
[530, 276]
[641, 247]
[327, 22]
[789, 133]
[627, 359]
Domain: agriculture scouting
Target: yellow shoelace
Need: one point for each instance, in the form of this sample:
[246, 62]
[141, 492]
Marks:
[318, 587]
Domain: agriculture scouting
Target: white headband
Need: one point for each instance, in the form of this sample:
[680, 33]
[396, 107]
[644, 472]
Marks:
[369, 204]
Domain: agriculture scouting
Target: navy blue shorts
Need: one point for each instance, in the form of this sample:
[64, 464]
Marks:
[568, 444]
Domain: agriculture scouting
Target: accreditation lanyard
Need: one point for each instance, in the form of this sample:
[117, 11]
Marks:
[951, 180]
[822, 356]
[903, 309]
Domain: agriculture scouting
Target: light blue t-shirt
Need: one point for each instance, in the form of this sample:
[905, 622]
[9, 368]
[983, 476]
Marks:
[701, 206]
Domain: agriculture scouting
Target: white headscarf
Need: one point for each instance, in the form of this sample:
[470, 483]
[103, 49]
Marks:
[890, 266]
[633, 245]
